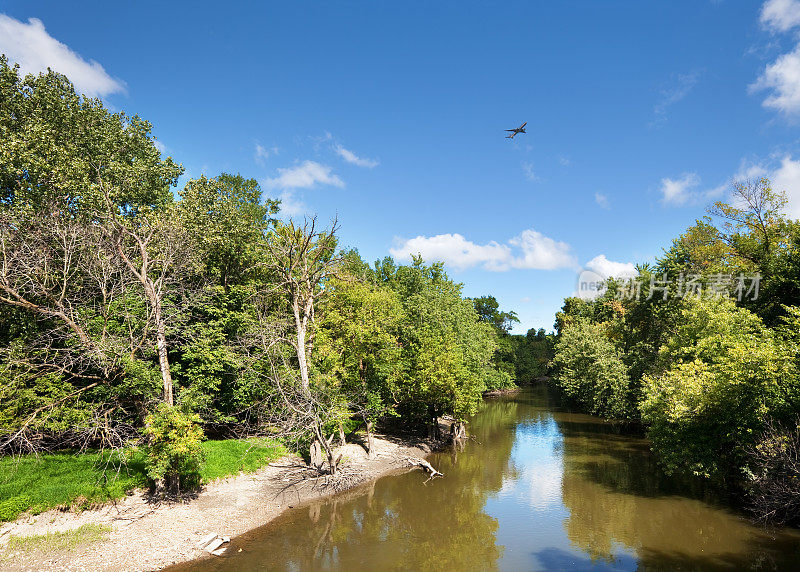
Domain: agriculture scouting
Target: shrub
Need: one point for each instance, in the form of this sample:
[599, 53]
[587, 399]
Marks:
[722, 374]
[174, 454]
[11, 508]
[589, 370]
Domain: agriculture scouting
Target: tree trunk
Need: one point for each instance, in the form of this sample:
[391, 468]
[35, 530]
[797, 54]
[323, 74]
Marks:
[342, 439]
[458, 431]
[301, 350]
[163, 358]
[370, 443]
[332, 461]
[316, 455]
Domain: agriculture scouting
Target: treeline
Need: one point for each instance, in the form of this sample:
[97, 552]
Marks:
[702, 348]
[129, 314]
[522, 359]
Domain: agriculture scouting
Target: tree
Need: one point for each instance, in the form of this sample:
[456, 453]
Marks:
[64, 159]
[488, 309]
[302, 260]
[446, 350]
[357, 344]
[589, 369]
[721, 374]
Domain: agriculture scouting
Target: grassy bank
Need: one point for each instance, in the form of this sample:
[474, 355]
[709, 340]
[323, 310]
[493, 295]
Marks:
[82, 480]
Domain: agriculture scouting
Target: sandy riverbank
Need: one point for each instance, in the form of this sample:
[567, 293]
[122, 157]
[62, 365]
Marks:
[149, 536]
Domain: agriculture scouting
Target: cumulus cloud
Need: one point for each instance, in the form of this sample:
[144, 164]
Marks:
[306, 175]
[541, 252]
[354, 159]
[782, 79]
[30, 46]
[608, 268]
[602, 200]
[529, 250]
[291, 204]
[780, 15]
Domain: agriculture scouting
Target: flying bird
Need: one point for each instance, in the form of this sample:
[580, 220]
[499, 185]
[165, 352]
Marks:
[518, 130]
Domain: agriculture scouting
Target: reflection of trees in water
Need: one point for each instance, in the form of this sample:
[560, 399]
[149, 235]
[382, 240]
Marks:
[399, 523]
[617, 496]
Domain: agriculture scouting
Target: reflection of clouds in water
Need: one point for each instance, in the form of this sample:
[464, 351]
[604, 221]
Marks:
[539, 468]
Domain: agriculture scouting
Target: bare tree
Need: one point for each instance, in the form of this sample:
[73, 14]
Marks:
[157, 251]
[54, 267]
[302, 259]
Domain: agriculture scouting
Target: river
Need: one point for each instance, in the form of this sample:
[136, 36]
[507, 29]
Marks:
[535, 488]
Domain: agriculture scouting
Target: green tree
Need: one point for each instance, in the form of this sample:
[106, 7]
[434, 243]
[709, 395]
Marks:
[722, 374]
[589, 369]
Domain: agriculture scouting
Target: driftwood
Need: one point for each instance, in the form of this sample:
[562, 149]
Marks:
[425, 465]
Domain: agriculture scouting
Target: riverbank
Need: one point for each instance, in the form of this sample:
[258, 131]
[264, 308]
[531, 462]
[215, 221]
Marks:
[144, 535]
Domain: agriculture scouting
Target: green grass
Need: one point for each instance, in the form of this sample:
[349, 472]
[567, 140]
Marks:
[82, 480]
[60, 541]
[65, 479]
[224, 458]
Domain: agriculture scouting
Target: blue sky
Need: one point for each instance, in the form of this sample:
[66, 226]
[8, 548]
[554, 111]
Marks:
[391, 116]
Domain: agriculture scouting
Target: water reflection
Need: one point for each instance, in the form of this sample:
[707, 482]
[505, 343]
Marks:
[536, 487]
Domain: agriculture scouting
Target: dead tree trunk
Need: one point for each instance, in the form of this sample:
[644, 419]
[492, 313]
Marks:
[316, 455]
[370, 442]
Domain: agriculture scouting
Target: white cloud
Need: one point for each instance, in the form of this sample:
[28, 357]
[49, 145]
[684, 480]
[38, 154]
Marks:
[564, 161]
[260, 154]
[30, 46]
[608, 268]
[160, 146]
[678, 191]
[529, 250]
[454, 250]
[304, 176]
[786, 178]
[780, 15]
[541, 252]
[782, 77]
[291, 205]
[602, 200]
[527, 168]
[354, 159]
[680, 88]
[685, 191]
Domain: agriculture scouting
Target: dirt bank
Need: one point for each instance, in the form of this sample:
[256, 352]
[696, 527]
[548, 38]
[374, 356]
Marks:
[149, 536]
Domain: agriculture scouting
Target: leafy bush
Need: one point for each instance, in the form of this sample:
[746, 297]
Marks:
[11, 508]
[589, 370]
[497, 379]
[174, 453]
[723, 374]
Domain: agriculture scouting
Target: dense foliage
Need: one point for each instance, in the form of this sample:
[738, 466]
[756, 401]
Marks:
[702, 347]
[132, 312]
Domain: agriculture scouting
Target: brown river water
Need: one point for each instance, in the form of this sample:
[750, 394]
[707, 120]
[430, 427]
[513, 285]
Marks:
[535, 488]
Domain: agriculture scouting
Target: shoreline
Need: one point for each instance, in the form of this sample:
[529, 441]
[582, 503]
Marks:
[148, 535]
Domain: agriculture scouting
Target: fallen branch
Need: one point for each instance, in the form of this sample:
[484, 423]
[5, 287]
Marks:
[425, 465]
